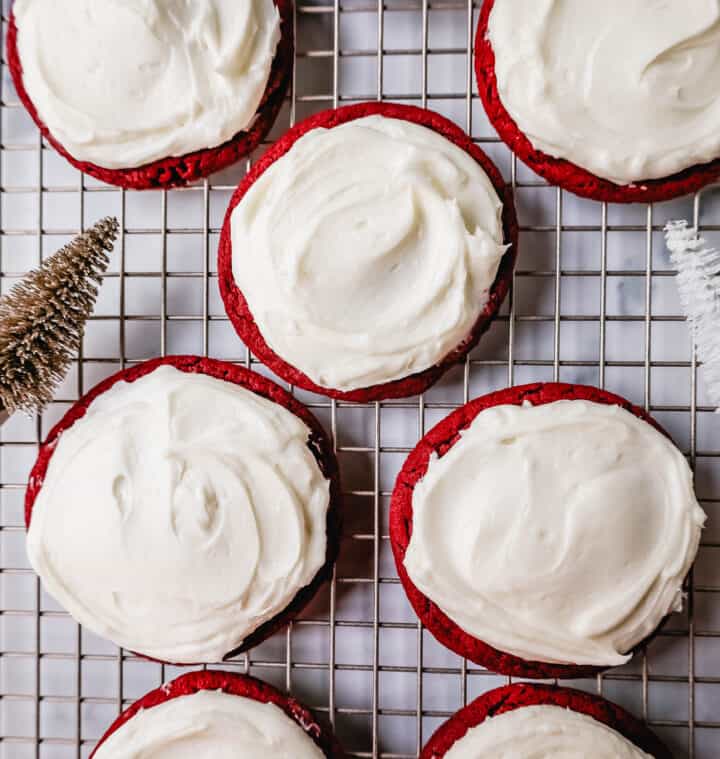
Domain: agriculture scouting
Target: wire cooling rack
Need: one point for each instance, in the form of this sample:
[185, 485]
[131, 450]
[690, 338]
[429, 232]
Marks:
[593, 301]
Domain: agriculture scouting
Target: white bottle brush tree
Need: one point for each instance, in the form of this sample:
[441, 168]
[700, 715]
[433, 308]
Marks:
[698, 280]
[42, 318]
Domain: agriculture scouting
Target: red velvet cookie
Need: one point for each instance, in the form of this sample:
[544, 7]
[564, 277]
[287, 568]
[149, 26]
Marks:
[318, 443]
[563, 173]
[237, 306]
[511, 697]
[175, 171]
[236, 685]
[436, 443]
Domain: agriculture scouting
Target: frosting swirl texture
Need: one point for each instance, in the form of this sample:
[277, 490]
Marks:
[209, 724]
[585, 86]
[179, 514]
[559, 533]
[366, 253]
[543, 732]
[121, 83]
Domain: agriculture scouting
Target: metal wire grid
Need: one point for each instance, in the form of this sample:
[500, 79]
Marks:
[593, 302]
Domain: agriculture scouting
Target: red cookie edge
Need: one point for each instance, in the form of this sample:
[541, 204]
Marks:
[237, 307]
[438, 441]
[520, 695]
[179, 170]
[236, 685]
[563, 173]
[318, 443]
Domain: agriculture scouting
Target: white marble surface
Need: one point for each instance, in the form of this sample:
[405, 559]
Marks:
[368, 663]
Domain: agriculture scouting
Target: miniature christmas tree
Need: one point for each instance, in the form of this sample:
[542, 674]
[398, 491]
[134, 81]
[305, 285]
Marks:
[42, 319]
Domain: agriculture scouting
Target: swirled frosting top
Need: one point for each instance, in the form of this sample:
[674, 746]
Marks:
[543, 732]
[558, 533]
[210, 725]
[366, 253]
[179, 514]
[627, 89]
[121, 83]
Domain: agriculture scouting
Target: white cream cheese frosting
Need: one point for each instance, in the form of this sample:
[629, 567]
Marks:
[179, 514]
[627, 89]
[366, 253]
[121, 83]
[210, 725]
[558, 533]
[543, 732]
